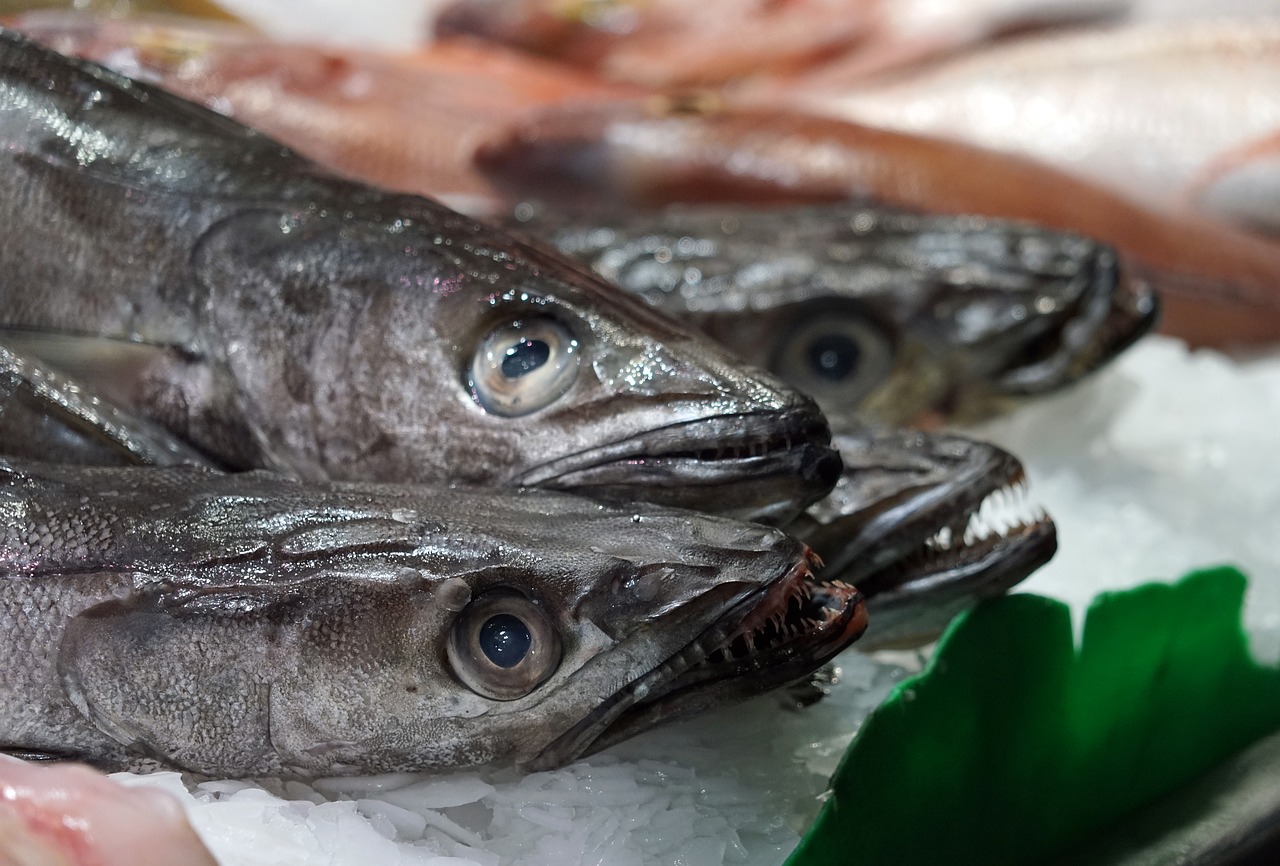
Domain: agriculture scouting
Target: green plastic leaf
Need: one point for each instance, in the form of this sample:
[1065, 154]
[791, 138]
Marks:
[1011, 746]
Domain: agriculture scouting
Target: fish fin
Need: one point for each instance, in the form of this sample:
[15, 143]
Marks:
[49, 415]
[1242, 186]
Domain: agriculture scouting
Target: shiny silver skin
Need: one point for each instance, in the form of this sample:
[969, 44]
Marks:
[274, 316]
[877, 313]
[925, 524]
[249, 624]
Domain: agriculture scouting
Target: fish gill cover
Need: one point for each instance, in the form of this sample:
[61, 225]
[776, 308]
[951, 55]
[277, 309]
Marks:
[1013, 744]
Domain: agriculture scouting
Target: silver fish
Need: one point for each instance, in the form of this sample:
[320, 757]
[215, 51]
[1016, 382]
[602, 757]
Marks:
[249, 624]
[271, 315]
[874, 312]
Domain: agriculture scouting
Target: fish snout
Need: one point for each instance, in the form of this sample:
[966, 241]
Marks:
[1110, 312]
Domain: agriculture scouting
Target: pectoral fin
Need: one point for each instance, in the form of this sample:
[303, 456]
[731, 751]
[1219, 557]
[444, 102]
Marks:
[48, 414]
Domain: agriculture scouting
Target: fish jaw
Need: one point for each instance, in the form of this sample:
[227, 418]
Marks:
[754, 467]
[926, 524]
[767, 638]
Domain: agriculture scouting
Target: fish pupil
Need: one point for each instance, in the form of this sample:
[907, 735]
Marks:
[505, 639]
[834, 356]
[524, 357]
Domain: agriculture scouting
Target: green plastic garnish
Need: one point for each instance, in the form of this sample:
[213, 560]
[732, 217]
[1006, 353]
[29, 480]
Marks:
[1012, 745]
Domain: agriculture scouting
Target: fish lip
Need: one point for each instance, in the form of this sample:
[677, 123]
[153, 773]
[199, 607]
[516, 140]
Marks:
[639, 704]
[788, 456]
[1110, 315]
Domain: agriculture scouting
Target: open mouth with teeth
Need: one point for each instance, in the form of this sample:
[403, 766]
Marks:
[988, 543]
[771, 637]
[925, 525]
[765, 467]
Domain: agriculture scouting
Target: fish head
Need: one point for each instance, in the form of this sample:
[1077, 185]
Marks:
[536, 629]
[874, 312]
[466, 355]
[926, 523]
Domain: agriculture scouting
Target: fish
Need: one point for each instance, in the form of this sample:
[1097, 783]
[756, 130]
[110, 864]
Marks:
[70, 815]
[679, 44]
[1217, 285]
[1163, 113]
[306, 629]
[898, 491]
[402, 120]
[878, 314]
[962, 504]
[274, 316]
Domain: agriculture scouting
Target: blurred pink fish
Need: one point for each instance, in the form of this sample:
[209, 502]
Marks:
[1173, 116]
[70, 815]
[668, 43]
[405, 121]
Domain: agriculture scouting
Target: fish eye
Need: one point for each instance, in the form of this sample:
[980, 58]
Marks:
[502, 645]
[523, 366]
[842, 356]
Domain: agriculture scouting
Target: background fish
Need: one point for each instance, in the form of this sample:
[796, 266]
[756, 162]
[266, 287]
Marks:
[674, 43]
[273, 315]
[887, 315]
[1164, 114]
[1217, 285]
[313, 629]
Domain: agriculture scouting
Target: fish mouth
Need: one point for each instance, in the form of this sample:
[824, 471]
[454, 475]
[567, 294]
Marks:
[762, 466]
[933, 546]
[769, 637]
[1108, 317]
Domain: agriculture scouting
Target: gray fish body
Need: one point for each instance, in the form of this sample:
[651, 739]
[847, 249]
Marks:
[874, 312]
[247, 624]
[274, 316]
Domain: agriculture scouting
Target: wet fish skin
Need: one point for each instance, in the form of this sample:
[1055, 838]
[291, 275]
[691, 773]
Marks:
[301, 629]
[874, 312]
[1217, 285]
[210, 280]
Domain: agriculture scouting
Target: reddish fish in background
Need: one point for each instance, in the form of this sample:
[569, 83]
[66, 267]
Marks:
[408, 122]
[668, 43]
[70, 815]
[1170, 115]
[1220, 286]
